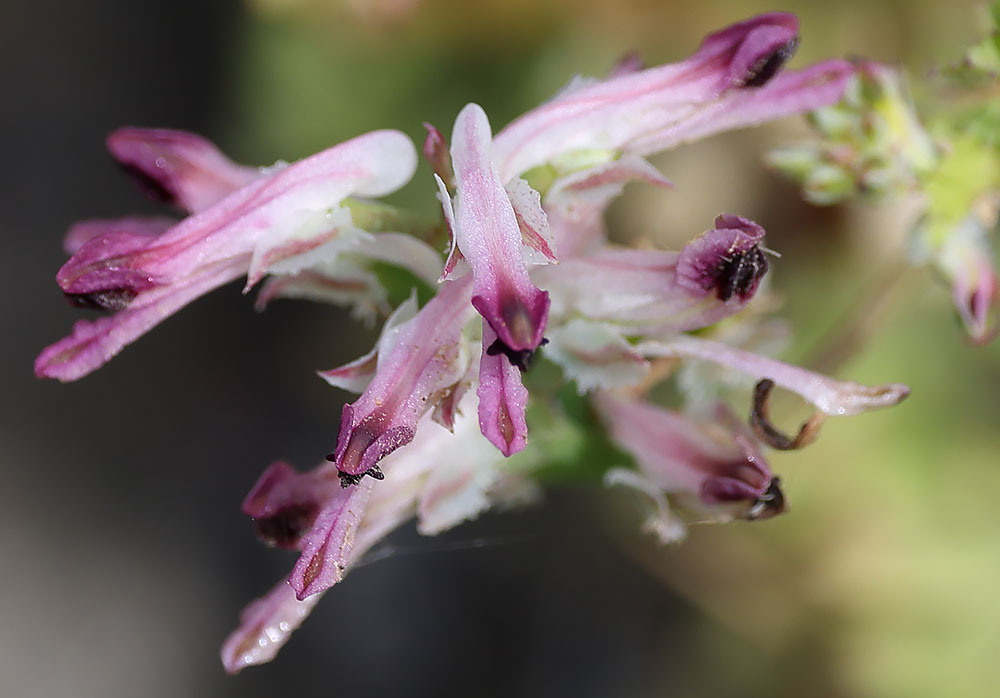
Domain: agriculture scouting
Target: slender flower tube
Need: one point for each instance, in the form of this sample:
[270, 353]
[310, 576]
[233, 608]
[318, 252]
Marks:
[649, 110]
[269, 224]
[487, 234]
[421, 362]
[831, 397]
[713, 467]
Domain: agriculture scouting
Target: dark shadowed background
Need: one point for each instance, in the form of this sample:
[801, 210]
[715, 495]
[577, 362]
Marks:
[125, 557]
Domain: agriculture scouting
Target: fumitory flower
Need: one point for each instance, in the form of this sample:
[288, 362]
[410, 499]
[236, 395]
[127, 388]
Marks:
[529, 269]
[242, 222]
[713, 467]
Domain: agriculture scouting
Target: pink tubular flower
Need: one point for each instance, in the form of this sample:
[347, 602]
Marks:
[829, 396]
[648, 291]
[714, 468]
[600, 298]
[487, 234]
[269, 224]
[418, 363]
[442, 477]
[650, 110]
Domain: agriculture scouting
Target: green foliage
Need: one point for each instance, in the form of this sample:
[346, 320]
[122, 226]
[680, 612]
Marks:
[399, 283]
[567, 443]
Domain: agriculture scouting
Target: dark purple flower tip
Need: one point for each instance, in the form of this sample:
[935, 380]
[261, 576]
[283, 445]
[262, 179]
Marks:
[110, 299]
[769, 504]
[351, 479]
[284, 504]
[520, 358]
[727, 260]
[518, 322]
[756, 48]
[766, 64]
[103, 273]
[762, 492]
[285, 528]
[361, 446]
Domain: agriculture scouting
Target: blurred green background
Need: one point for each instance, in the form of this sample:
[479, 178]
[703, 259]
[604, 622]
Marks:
[126, 560]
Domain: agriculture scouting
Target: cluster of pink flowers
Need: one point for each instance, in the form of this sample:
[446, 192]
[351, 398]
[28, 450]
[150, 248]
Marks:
[441, 399]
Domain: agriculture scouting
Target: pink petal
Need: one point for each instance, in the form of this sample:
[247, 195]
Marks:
[789, 93]
[502, 399]
[265, 626]
[326, 549]
[373, 164]
[532, 221]
[178, 167]
[426, 356]
[830, 396]
[84, 231]
[490, 239]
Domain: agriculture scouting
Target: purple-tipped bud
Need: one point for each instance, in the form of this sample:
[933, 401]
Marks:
[975, 298]
[966, 260]
[265, 626]
[436, 153]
